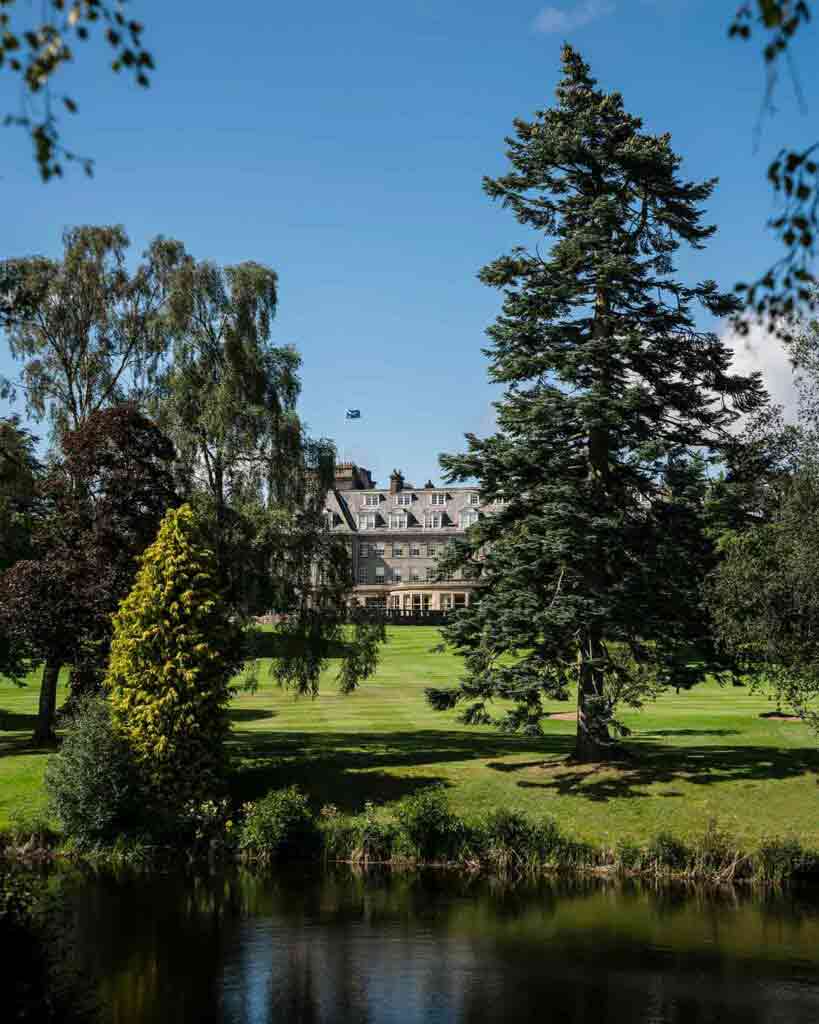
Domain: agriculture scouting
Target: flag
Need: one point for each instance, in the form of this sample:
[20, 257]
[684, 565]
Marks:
[352, 414]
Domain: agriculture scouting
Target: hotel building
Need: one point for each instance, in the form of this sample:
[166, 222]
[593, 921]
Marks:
[396, 535]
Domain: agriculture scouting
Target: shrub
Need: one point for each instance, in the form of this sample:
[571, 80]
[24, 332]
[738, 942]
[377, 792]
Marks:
[778, 859]
[427, 828]
[509, 841]
[280, 825]
[92, 782]
[174, 651]
[665, 852]
[627, 855]
[31, 826]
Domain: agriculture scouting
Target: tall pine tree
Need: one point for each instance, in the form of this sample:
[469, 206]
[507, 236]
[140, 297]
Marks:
[613, 396]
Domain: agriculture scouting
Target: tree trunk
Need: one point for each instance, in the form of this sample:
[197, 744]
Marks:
[44, 729]
[592, 742]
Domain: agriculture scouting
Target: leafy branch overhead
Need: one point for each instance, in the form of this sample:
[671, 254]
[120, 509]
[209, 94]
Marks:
[37, 52]
[789, 285]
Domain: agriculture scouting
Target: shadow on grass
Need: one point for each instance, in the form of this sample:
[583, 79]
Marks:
[347, 769]
[274, 645]
[237, 715]
[656, 763]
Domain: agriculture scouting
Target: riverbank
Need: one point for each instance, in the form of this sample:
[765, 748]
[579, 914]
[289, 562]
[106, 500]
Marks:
[697, 756]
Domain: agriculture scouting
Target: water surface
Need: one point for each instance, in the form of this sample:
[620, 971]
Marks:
[305, 947]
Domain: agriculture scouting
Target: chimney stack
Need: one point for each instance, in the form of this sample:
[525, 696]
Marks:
[396, 481]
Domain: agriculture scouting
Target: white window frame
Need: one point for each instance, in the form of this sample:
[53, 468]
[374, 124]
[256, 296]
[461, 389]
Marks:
[438, 499]
[363, 574]
[468, 517]
[414, 576]
[378, 550]
[415, 549]
[430, 520]
[474, 499]
[396, 576]
[398, 520]
[432, 549]
[372, 500]
[380, 574]
[398, 551]
[367, 520]
[403, 499]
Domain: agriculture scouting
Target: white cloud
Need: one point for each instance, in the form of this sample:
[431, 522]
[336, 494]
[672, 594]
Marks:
[760, 350]
[557, 19]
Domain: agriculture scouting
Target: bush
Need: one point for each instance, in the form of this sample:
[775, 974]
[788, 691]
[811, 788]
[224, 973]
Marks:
[665, 852]
[279, 826]
[92, 783]
[508, 841]
[778, 859]
[627, 855]
[174, 651]
[427, 828]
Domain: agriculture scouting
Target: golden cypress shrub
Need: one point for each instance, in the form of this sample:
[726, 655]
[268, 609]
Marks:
[174, 652]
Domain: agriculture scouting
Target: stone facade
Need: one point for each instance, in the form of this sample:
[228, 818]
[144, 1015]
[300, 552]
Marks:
[396, 535]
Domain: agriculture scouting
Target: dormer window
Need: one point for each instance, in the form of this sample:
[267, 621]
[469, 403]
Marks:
[372, 500]
[474, 499]
[404, 499]
[433, 520]
[367, 520]
[437, 499]
[398, 520]
[469, 517]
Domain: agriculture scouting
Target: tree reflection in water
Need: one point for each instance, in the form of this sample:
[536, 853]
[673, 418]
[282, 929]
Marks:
[335, 947]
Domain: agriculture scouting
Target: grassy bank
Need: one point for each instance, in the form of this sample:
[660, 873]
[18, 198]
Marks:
[698, 756]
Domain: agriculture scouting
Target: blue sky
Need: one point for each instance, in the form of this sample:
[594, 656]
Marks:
[344, 145]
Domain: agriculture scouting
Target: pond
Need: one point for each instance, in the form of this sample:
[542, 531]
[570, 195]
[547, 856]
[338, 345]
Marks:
[339, 946]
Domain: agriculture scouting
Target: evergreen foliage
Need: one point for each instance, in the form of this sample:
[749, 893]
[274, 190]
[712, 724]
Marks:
[591, 571]
[174, 652]
[91, 782]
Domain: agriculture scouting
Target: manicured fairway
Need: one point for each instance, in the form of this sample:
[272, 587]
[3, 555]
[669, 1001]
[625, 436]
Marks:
[701, 755]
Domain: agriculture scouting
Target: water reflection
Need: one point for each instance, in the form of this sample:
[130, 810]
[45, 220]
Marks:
[302, 948]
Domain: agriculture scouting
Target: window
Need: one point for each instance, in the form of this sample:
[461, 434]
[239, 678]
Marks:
[367, 520]
[363, 550]
[414, 577]
[432, 549]
[396, 575]
[378, 550]
[363, 574]
[329, 519]
[469, 517]
[398, 520]
[459, 600]
[415, 550]
[372, 500]
[379, 574]
[437, 499]
[404, 499]
[433, 520]
[474, 499]
[446, 602]
[407, 602]
[501, 501]
[398, 551]
[430, 573]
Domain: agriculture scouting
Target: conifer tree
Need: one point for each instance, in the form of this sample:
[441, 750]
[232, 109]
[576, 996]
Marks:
[174, 652]
[588, 569]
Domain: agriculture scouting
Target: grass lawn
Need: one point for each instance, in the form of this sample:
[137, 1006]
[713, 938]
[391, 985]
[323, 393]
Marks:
[701, 755]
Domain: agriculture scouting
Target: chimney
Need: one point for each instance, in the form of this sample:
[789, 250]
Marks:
[396, 481]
